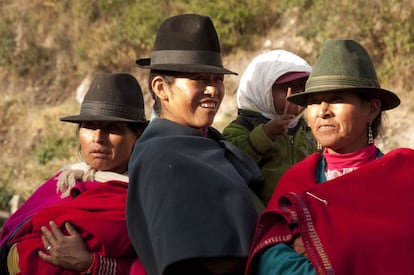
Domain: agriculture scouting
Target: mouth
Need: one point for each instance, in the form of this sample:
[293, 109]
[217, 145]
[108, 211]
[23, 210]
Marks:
[326, 127]
[98, 153]
[209, 104]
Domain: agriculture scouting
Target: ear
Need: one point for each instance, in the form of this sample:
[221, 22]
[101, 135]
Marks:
[158, 86]
[374, 108]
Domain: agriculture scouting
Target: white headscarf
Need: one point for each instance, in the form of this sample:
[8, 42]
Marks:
[81, 171]
[255, 88]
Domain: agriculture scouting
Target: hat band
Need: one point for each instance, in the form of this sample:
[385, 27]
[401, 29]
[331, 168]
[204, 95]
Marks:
[111, 109]
[339, 82]
[186, 57]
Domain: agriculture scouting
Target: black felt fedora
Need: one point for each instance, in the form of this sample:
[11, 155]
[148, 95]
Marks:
[186, 43]
[112, 97]
[344, 65]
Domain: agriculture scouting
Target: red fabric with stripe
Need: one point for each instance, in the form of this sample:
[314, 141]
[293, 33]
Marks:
[359, 223]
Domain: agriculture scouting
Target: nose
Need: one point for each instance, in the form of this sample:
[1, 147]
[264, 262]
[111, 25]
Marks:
[324, 110]
[214, 85]
[211, 90]
[98, 136]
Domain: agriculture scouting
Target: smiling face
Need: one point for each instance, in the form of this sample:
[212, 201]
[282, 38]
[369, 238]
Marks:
[190, 99]
[106, 146]
[339, 120]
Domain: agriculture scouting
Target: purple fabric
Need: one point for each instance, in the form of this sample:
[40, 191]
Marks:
[44, 196]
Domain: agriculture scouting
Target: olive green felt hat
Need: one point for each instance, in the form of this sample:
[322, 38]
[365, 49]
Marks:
[344, 65]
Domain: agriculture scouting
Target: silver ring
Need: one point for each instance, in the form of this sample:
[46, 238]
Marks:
[49, 247]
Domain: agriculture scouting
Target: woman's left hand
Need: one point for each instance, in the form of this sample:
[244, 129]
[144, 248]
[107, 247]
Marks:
[68, 252]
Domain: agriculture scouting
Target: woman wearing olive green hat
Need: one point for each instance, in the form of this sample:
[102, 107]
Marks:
[347, 209]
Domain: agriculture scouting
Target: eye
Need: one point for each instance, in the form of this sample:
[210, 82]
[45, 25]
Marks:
[219, 77]
[198, 77]
[116, 128]
[313, 100]
[88, 125]
[208, 77]
[113, 128]
[335, 99]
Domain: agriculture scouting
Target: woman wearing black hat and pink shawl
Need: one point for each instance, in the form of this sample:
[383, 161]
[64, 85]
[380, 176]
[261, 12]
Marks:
[189, 207]
[348, 209]
[85, 200]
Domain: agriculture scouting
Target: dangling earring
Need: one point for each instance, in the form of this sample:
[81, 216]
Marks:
[319, 146]
[370, 135]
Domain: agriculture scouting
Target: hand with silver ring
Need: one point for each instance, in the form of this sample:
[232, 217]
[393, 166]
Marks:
[66, 250]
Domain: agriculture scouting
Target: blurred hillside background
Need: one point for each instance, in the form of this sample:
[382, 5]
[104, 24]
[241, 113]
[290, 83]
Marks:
[49, 49]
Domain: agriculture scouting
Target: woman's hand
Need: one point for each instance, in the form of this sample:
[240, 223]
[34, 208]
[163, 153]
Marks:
[68, 252]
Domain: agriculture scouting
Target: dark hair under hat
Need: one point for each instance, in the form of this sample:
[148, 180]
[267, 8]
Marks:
[112, 97]
[186, 43]
[344, 65]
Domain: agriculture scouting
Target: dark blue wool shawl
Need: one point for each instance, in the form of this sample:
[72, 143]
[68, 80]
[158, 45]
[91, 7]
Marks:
[188, 196]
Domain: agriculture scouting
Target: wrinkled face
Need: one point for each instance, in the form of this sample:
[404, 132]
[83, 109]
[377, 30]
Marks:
[106, 146]
[192, 99]
[339, 120]
[280, 93]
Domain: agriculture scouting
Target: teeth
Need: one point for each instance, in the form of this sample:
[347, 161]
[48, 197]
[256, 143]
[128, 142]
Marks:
[208, 104]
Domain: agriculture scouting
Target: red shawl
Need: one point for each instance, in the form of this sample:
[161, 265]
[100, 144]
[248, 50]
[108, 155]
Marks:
[99, 216]
[359, 223]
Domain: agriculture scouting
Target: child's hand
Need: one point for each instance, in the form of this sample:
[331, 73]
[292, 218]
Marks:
[278, 126]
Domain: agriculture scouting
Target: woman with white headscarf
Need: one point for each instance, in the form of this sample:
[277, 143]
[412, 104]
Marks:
[269, 128]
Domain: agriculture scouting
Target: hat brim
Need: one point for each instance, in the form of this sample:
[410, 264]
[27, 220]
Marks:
[82, 118]
[388, 99]
[145, 63]
[291, 76]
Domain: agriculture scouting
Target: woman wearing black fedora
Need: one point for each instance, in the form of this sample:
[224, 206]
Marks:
[189, 207]
[347, 209]
[75, 221]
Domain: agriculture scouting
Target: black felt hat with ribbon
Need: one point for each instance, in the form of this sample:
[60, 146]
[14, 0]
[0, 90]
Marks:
[344, 65]
[186, 43]
[112, 97]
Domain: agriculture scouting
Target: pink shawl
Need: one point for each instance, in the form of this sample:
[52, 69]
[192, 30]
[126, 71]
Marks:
[44, 196]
